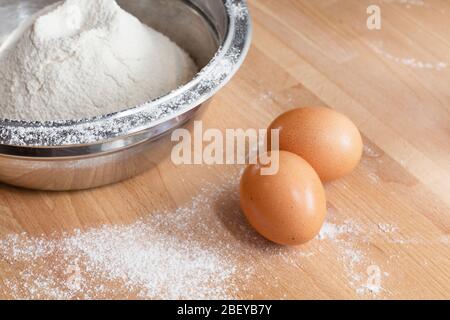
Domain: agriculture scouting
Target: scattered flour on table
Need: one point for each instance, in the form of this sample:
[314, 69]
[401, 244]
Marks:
[161, 256]
[414, 63]
[197, 251]
[352, 241]
[333, 231]
[408, 3]
[68, 63]
[387, 227]
[146, 264]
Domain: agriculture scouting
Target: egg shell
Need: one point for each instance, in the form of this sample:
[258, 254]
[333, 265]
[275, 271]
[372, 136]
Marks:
[289, 207]
[329, 141]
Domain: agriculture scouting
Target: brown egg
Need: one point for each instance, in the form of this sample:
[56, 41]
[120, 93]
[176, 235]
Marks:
[328, 140]
[288, 207]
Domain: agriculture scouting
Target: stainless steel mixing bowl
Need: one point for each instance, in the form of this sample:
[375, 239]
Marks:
[86, 153]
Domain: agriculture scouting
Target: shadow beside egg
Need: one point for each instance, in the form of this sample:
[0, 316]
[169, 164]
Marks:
[227, 209]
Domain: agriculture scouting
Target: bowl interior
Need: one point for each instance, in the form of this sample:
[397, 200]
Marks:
[198, 26]
[217, 34]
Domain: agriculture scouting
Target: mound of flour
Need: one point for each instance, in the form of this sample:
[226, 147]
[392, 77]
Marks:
[82, 58]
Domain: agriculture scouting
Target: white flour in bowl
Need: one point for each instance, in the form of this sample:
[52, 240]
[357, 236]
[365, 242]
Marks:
[83, 58]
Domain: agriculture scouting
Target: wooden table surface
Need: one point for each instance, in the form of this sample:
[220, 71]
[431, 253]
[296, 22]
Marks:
[393, 83]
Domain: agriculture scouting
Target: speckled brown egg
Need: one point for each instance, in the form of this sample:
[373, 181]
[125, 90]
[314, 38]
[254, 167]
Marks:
[289, 207]
[329, 141]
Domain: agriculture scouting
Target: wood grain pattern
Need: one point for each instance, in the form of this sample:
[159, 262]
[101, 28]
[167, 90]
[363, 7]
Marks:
[393, 83]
